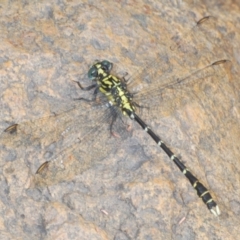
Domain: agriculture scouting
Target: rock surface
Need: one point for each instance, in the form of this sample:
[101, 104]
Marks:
[134, 192]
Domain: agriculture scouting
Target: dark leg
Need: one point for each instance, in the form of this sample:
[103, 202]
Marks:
[113, 120]
[88, 89]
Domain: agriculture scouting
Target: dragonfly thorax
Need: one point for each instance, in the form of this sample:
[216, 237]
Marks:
[111, 86]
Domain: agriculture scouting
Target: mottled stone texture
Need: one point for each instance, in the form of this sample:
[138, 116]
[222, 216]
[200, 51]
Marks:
[133, 192]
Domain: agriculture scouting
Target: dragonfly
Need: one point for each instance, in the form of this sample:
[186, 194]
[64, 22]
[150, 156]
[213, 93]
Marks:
[75, 139]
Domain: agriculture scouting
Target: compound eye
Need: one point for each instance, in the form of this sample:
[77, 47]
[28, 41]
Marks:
[92, 73]
[106, 66]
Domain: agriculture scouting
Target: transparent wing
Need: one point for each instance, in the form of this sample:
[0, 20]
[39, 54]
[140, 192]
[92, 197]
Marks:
[165, 81]
[87, 151]
[194, 42]
[69, 142]
[163, 94]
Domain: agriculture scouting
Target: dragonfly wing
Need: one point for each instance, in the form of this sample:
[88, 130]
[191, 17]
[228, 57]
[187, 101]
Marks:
[53, 137]
[170, 93]
[86, 152]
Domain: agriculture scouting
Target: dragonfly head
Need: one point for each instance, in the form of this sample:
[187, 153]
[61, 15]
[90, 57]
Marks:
[100, 70]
